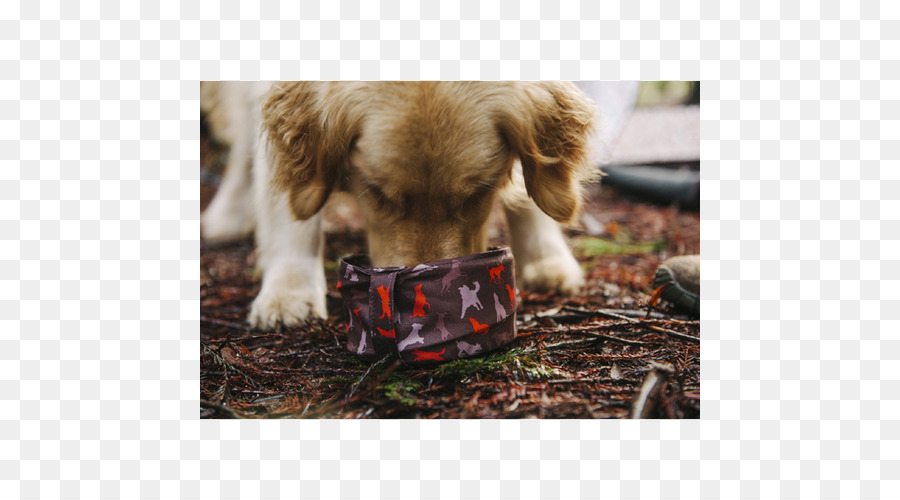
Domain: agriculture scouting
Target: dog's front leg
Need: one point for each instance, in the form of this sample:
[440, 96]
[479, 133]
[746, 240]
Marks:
[230, 214]
[543, 259]
[290, 256]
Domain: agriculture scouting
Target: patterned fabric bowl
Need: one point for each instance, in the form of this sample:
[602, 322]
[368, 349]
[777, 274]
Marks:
[433, 312]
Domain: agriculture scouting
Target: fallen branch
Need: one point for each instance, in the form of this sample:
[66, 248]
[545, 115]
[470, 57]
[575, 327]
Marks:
[243, 339]
[621, 312]
[568, 342]
[649, 394]
[671, 333]
[586, 330]
[364, 375]
[617, 339]
[590, 381]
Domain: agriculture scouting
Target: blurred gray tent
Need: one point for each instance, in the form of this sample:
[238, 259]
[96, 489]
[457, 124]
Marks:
[650, 151]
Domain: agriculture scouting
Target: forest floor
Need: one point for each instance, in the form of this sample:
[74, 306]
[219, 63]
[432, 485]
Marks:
[595, 355]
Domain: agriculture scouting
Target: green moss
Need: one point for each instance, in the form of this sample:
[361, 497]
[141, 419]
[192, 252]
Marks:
[400, 389]
[519, 363]
[590, 247]
[356, 360]
[339, 381]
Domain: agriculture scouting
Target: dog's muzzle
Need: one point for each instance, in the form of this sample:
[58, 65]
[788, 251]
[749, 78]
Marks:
[433, 312]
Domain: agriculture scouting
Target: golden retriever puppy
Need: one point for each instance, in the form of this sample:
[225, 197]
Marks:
[425, 160]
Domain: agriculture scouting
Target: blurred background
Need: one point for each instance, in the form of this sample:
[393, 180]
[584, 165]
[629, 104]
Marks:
[648, 140]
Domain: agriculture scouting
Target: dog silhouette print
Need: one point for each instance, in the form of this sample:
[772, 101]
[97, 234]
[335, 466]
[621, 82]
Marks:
[512, 296]
[385, 301]
[419, 307]
[467, 349]
[501, 312]
[387, 333]
[413, 338]
[441, 327]
[428, 356]
[362, 343]
[469, 298]
[414, 320]
[495, 273]
[356, 312]
[421, 268]
[451, 275]
[478, 327]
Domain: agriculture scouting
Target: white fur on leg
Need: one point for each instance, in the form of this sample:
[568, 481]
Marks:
[292, 292]
[233, 113]
[289, 251]
[290, 256]
[230, 214]
[543, 259]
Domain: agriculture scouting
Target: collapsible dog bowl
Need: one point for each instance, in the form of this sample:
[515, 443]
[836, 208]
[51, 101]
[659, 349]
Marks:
[433, 312]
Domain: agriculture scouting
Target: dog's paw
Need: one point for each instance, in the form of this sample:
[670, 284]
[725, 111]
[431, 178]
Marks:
[286, 307]
[561, 273]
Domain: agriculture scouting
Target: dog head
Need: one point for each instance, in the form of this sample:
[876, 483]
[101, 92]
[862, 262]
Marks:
[425, 160]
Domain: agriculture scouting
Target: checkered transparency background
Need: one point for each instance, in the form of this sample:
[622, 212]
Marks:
[99, 209]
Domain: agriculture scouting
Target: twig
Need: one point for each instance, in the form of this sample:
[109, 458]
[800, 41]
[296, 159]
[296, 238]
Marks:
[266, 393]
[617, 339]
[360, 381]
[322, 410]
[243, 339]
[569, 342]
[229, 324]
[587, 331]
[648, 395]
[655, 328]
[622, 312]
[571, 329]
[590, 381]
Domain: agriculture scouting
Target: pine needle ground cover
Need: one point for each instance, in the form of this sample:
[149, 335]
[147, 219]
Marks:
[596, 355]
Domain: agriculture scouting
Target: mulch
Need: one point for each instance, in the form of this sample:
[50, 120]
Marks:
[596, 355]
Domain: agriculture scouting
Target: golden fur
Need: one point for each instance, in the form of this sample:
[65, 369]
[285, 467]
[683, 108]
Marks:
[425, 159]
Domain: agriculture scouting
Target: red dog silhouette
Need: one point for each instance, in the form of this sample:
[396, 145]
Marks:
[419, 308]
[387, 333]
[495, 273]
[425, 355]
[385, 302]
[478, 327]
[512, 296]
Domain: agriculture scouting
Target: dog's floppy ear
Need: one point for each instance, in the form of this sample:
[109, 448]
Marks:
[309, 130]
[548, 125]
